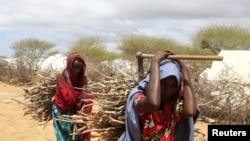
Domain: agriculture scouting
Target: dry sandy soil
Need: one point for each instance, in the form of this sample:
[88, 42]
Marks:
[17, 127]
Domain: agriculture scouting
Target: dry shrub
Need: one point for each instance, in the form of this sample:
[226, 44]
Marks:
[7, 72]
[226, 99]
[98, 71]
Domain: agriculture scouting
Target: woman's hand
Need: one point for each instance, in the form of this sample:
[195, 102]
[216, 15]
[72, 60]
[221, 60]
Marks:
[183, 67]
[83, 95]
[160, 55]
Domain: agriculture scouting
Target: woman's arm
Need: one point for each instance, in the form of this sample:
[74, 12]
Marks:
[65, 93]
[189, 105]
[152, 99]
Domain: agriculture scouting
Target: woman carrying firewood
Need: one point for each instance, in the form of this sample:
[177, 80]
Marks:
[70, 98]
[162, 107]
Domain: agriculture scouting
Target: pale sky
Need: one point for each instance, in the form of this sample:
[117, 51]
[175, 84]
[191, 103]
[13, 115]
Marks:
[63, 22]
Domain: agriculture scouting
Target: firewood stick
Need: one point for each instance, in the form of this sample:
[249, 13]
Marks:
[109, 112]
[83, 114]
[82, 129]
[72, 121]
[74, 131]
[20, 102]
[114, 108]
[108, 94]
[121, 118]
[116, 121]
[188, 57]
[106, 102]
[98, 130]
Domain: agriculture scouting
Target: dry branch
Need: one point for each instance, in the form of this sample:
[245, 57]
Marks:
[39, 98]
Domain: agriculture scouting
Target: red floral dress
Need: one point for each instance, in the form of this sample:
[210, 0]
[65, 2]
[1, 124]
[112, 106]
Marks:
[159, 125]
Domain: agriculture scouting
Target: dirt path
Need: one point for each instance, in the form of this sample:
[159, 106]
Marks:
[14, 125]
[17, 127]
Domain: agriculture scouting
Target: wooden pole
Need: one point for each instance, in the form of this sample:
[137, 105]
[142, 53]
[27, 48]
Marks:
[188, 57]
[140, 56]
[140, 65]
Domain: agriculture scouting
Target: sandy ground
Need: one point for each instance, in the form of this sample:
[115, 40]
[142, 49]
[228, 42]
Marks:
[14, 125]
[17, 127]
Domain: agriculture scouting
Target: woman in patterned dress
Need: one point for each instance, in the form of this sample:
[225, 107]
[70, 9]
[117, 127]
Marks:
[162, 107]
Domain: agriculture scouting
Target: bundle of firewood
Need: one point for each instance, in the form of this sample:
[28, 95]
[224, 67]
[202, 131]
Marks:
[110, 117]
[38, 98]
[108, 112]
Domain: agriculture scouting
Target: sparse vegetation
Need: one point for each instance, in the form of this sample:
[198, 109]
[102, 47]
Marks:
[27, 53]
[93, 49]
[207, 41]
[216, 38]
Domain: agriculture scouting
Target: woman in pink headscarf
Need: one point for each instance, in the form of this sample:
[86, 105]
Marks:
[68, 97]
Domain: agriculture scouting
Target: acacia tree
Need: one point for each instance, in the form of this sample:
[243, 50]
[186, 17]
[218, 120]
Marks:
[217, 38]
[131, 44]
[28, 53]
[92, 48]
